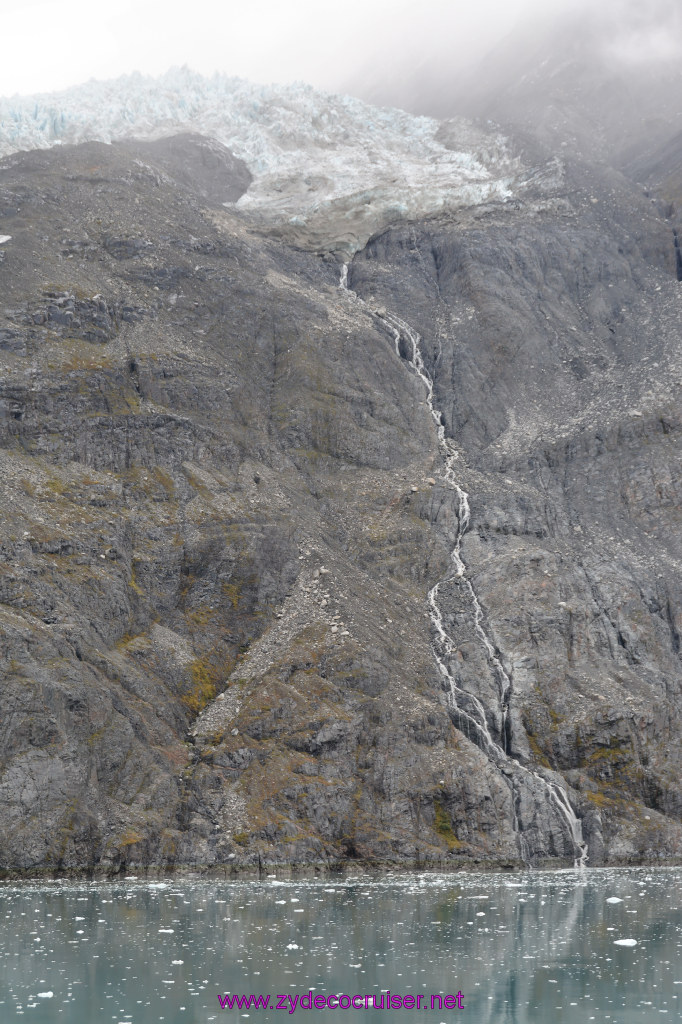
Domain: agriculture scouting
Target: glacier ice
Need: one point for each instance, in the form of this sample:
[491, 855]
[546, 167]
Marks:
[330, 169]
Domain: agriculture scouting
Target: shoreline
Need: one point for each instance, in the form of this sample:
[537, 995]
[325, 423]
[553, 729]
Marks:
[307, 872]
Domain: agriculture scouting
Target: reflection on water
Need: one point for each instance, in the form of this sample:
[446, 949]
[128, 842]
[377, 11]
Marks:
[520, 948]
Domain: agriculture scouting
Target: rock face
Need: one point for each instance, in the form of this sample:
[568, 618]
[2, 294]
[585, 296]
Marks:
[225, 505]
[570, 451]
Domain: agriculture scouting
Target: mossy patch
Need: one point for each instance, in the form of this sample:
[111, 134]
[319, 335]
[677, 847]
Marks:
[200, 616]
[132, 582]
[443, 826]
[129, 838]
[203, 686]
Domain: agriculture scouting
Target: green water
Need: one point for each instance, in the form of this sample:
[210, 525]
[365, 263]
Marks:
[519, 948]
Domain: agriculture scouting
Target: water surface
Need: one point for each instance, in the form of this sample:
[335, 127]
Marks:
[520, 948]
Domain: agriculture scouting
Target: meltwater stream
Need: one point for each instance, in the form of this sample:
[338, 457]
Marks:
[468, 709]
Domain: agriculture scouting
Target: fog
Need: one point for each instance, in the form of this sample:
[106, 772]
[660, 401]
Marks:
[425, 69]
[383, 49]
[50, 44]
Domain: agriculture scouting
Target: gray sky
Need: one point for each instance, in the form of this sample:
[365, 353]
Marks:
[51, 44]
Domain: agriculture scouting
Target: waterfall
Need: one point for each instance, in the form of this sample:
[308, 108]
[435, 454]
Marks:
[468, 711]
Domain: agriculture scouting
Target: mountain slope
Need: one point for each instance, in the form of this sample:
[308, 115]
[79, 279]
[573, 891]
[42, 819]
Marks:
[228, 499]
[213, 478]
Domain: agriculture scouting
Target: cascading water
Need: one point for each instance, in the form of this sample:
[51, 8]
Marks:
[467, 709]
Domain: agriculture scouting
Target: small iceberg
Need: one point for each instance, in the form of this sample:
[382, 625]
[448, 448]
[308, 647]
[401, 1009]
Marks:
[5, 238]
[625, 942]
[614, 899]
[46, 995]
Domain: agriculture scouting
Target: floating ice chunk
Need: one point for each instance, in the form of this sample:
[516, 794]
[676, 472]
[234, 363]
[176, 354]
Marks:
[292, 945]
[177, 962]
[158, 885]
[166, 931]
[45, 995]
[625, 942]
[5, 238]
[614, 899]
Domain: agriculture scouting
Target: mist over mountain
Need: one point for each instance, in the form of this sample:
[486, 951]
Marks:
[599, 78]
[341, 464]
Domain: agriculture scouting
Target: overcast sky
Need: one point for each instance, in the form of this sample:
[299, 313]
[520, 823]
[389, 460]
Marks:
[51, 44]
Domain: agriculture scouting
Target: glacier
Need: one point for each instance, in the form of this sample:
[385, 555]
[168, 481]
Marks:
[330, 169]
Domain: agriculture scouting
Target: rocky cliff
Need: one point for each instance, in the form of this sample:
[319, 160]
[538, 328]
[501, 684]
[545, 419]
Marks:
[230, 486]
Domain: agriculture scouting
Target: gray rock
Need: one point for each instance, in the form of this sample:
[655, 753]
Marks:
[162, 484]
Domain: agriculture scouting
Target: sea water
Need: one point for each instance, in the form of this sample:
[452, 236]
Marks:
[561, 947]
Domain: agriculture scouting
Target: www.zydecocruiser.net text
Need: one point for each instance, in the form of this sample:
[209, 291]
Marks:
[385, 1001]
